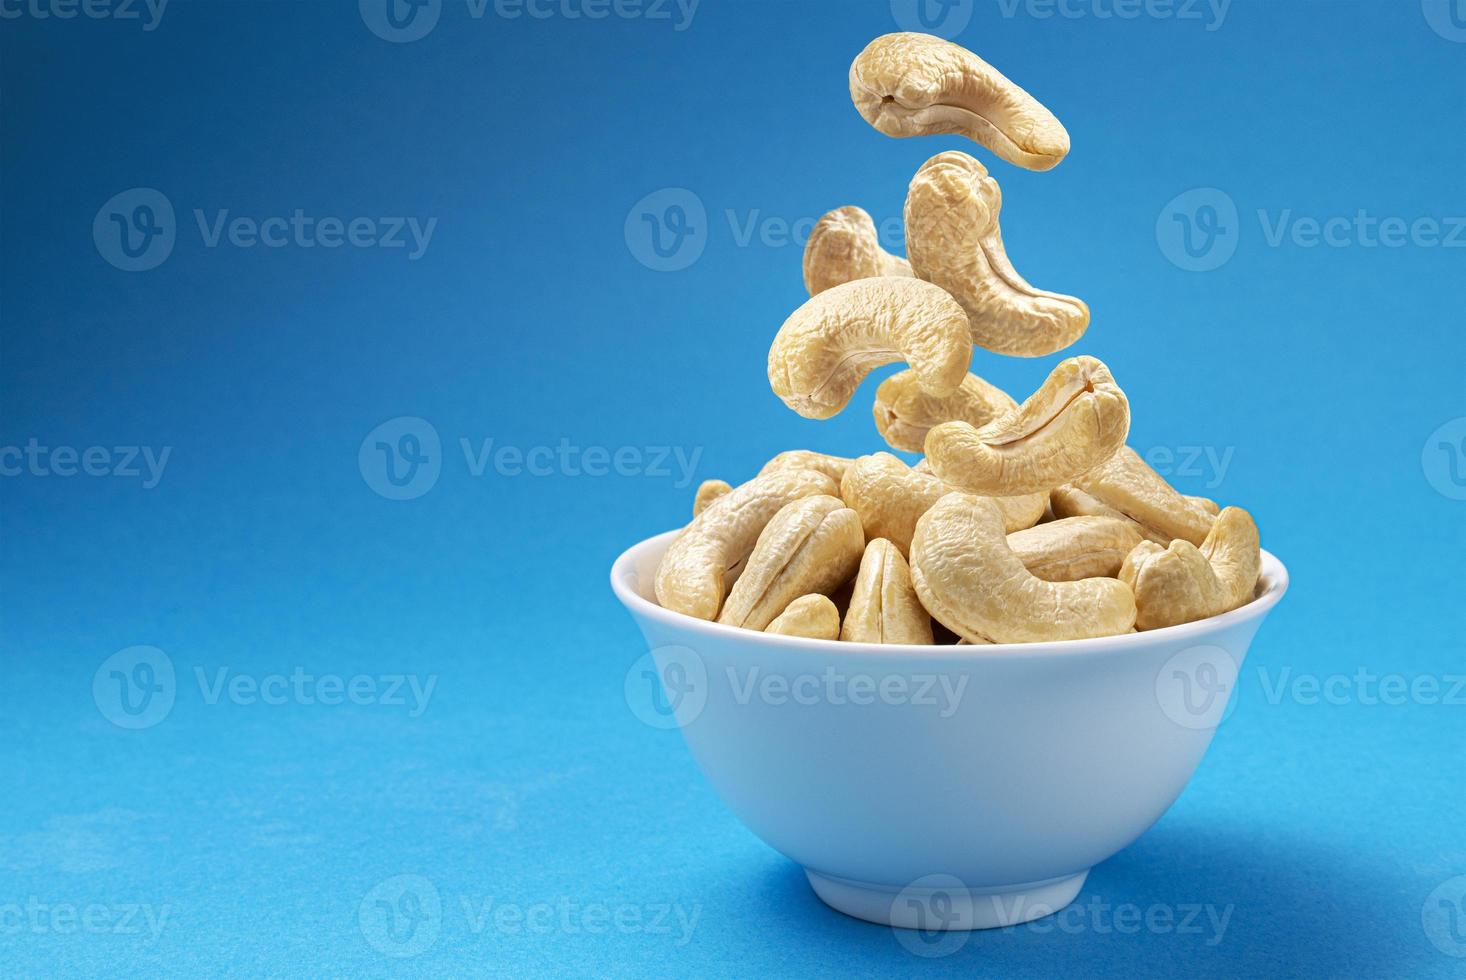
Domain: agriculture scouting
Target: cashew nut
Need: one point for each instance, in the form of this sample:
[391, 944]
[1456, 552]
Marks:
[905, 412]
[971, 582]
[919, 85]
[1076, 420]
[1182, 583]
[707, 492]
[890, 497]
[844, 246]
[1075, 548]
[1205, 503]
[804, 459]
[955, 240]
[828, 346]
[1129, 485]
[884, 607]
[814, 616]
[811, 545]
[1070, 501]
[690, 578]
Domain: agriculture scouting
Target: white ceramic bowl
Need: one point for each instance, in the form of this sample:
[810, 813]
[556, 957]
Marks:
[952, 787]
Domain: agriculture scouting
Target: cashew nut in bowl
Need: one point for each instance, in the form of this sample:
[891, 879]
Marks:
[707, 492]
[1075, 548]
[814, 616]
[804, 459]
[811, 545]
[1205, 503]
[955, 241]
[884, 607]
[905, 412]
[890, 497]
[919, 85]
[828, 346]
[1075, 421]
[691, 577]
[844, 246]
[1129, 485]
[972, 583]
[1070, 501]
[1182, 583]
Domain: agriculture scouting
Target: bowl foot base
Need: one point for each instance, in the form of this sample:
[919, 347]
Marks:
[940, 903]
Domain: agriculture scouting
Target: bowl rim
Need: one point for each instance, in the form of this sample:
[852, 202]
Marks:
[1274, 577]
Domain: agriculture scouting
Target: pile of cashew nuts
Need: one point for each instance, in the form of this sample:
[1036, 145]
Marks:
[1024, 523]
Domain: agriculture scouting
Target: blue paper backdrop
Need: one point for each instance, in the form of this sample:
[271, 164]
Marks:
[238, 237]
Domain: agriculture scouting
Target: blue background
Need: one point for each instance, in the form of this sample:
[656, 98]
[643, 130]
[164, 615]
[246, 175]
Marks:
[530, 319]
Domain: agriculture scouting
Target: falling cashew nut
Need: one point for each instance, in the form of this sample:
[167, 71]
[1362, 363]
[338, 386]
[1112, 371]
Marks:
[905, 412]
[814, 616]
[690, 578]
[811, 545]
[920, 85]
[955, 241]
[1075, 421]
[884, 607]
[828, 346]
[972, 583]
[1182, 583]
[844, 246]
